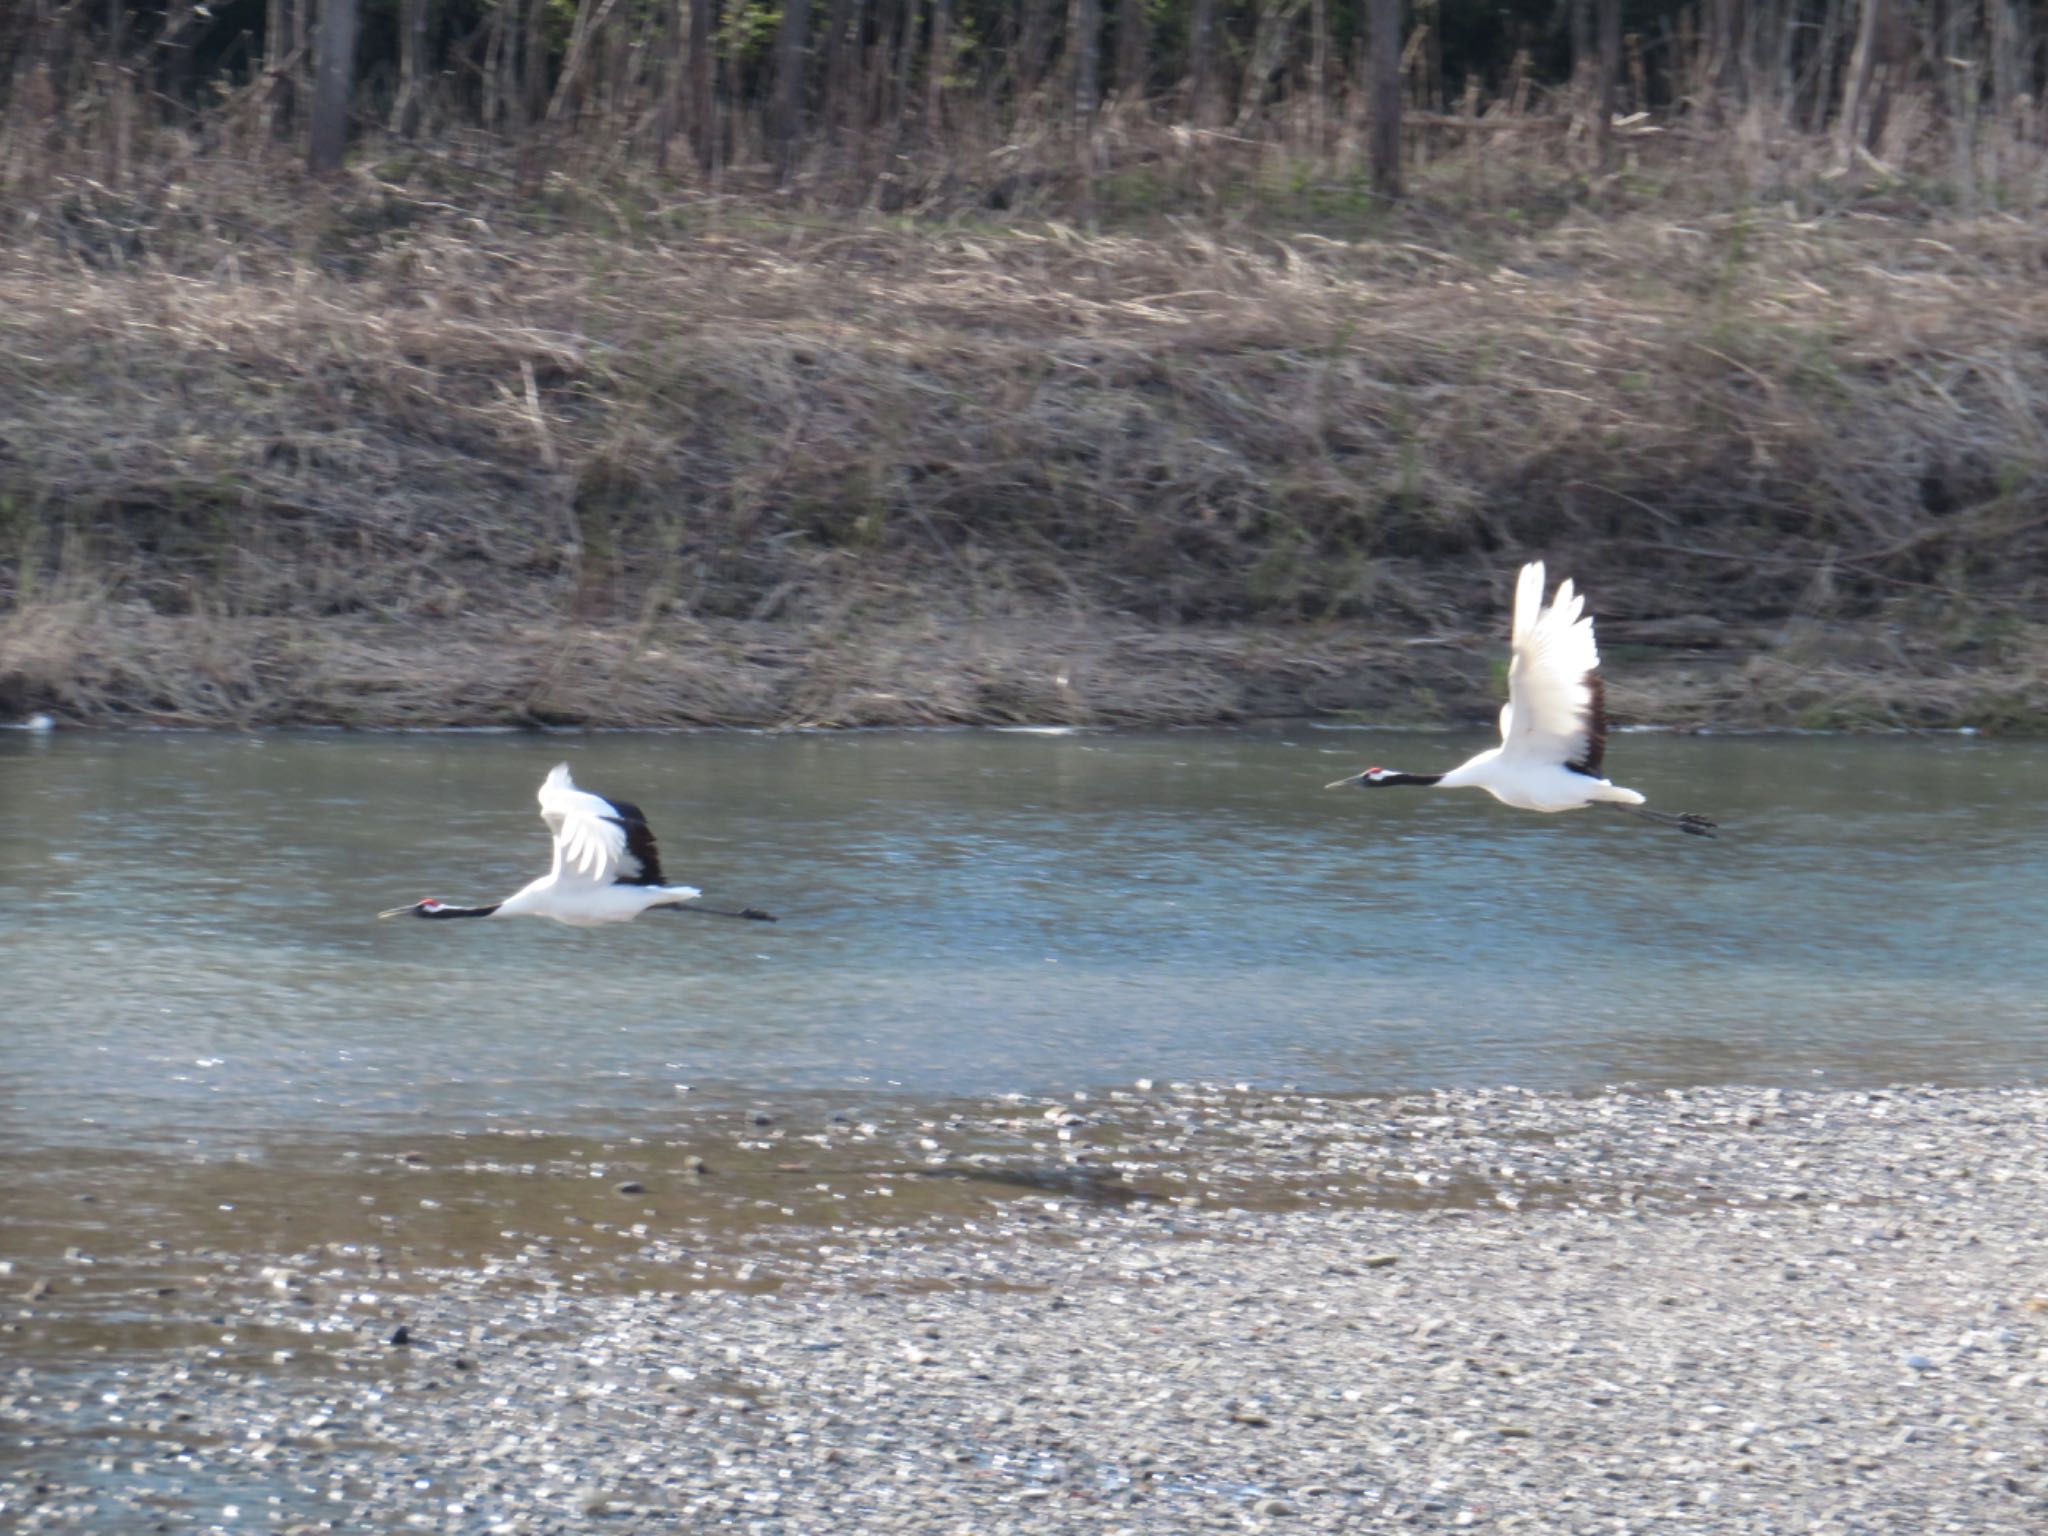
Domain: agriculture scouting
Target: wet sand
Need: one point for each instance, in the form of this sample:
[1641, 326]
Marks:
[1169, 1309]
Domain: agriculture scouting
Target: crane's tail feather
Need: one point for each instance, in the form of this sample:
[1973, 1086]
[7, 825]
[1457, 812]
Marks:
[1617, 794]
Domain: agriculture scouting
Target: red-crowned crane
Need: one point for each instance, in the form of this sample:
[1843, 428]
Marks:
[1553, 729]
[606, 867]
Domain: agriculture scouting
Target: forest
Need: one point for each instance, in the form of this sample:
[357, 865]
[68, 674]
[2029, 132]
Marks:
[1011, 102]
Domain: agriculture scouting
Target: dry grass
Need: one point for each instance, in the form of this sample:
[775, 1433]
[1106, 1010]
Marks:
[416, 452]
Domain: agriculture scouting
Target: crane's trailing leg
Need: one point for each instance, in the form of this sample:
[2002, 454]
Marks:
[752, 914]
[1685, 821]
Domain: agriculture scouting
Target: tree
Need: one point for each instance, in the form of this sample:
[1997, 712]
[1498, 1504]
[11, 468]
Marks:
[1610, 78]
[412, 68]
[1383, 23]
[1272, 41]
[671, 80]
[1865, 93]
[334, 62]
[1084, 43]
[789, 80]
[1202, 62]
[533, 61]
[703, 86]
[941, 63]
[1133, 44]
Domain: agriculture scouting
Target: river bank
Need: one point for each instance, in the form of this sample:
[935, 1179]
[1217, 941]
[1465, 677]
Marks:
[417, 451]
[1737, 1310]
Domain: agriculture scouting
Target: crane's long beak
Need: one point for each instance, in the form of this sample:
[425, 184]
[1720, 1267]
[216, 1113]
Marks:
[1356, 778]
[395, 912]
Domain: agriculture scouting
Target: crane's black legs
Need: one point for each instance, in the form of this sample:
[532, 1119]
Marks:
[1685, 821]
[752, 914]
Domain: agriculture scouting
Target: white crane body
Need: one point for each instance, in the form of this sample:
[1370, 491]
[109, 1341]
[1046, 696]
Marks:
[606, 870]
[1553, 729]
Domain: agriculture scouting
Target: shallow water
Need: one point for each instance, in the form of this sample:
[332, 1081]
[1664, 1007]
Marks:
[191, 958]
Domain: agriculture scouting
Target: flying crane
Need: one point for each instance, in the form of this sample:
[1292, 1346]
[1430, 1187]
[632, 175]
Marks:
[606, 868]
[1553, 729]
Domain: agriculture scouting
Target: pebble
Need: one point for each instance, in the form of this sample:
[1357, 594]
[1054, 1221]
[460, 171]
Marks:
[1718, 1355]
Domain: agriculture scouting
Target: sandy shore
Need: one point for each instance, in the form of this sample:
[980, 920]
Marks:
[1170, 1310]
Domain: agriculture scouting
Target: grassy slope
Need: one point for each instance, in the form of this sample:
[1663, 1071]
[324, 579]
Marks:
[403, 457]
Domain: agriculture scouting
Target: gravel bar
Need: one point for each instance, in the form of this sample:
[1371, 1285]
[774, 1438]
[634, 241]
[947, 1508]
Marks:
[1725, 1309]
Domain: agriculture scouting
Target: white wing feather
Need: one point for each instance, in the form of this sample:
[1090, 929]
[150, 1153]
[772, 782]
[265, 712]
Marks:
[1548, 700]
[589, 842]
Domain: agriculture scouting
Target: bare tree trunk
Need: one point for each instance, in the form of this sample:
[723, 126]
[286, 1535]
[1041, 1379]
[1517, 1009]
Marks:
[118, 95]
[277, 47]
[533, 62]
[1032, 38]
[2008, 58]
[334, 75]
[1581, 22]
[1084, 46]
[1777, 28]
[1358, 88]
[566, 100]
[906, 50]
[1965, 88]
[703, 79]
[874, 48]
[301, 59]
[533, 90]
[1429, 30]
[1851, 131]
[671, 81]
[1821, 90]
[840, 53]
[1724, 74]
[1084, 51]
[1319, 73]
[1610, 79]
[412, 68]
[495, 51]
[789, 81]
[1585, 87]
[1133, 50]
[625, 47]
[1383, 25]
[1201, 104]
[1270, 37]
[941, 62]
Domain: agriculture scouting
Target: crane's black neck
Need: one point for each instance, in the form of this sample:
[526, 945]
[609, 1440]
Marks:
[1405, 778]
[445, 911]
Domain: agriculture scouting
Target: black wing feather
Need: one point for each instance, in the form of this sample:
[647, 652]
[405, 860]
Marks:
[640, 849]
[1596, 729]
